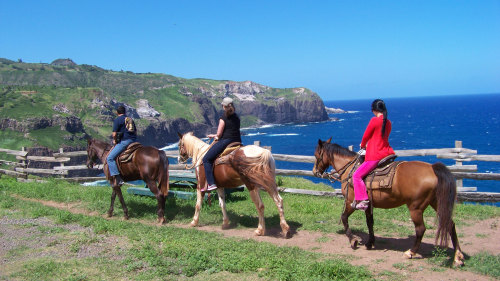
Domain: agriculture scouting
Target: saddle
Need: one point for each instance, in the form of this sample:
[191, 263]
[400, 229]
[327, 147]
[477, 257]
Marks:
[223, 158]
[383, 175]
[128, 153]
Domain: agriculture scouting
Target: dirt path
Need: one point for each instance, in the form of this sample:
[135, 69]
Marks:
[386, 260]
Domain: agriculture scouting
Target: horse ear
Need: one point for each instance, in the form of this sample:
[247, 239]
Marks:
[320, 143]
[180, 135]
[89, 140]
[329, 140]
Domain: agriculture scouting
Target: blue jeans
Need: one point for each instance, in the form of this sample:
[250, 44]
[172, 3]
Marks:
[117, 149]
[211, 155]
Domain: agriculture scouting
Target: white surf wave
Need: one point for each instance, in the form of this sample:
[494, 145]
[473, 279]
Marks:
[255, 134]
[279, 135]
[170, 146]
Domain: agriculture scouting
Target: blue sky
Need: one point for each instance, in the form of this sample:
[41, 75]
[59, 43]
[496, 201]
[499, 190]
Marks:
[339, 49]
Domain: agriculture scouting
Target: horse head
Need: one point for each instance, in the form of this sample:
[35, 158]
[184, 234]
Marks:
[183, 155]
[321, 163]
[91, 154]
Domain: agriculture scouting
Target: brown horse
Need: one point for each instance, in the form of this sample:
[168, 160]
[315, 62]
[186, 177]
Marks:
[416, 184]
[148, 163]
[250, 165]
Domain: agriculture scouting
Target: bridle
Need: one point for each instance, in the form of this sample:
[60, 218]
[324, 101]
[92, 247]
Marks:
[336, 175]
[95, 153]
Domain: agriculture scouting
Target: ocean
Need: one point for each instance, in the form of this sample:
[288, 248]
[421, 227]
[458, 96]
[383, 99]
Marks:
[417, 123]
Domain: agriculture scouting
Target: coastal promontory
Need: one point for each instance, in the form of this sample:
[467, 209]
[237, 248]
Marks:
[62, 103]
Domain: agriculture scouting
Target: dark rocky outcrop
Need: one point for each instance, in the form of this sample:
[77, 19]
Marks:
[70, 124]
[63, 62]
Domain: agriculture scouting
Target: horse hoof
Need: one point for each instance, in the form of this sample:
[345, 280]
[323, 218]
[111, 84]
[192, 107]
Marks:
[126, 218]
[286, 234]
[193, 224]
[259, 232]
[225, 226]
[162, 221]
[110, 215]
[458, 263]
[409, 254]
[354, 244]
[369, 246]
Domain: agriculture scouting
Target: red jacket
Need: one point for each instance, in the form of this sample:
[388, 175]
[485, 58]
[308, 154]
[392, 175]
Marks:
[377, 147]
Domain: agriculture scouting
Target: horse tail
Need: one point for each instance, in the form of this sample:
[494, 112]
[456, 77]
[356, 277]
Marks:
[446, 192]
[163, 183]
[259, 168]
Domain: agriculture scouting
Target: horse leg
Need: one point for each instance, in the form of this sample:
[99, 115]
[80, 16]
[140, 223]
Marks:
[418, 220]
[197, 208]
[273, 192]
[458, 259]
[160, 198]
[353, 241]
[369, 223]
[255, 195]
[122, 201]
[111, 207]
[222, 204]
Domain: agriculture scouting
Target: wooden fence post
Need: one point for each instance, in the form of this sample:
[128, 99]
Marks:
[459, 182]
[61, 150]
[24, 163]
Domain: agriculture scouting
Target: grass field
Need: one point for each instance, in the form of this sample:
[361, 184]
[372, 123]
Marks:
[137, 251]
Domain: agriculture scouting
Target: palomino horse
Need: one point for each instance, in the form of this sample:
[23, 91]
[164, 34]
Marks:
[250, 165]
[148, 163]
[416, 184]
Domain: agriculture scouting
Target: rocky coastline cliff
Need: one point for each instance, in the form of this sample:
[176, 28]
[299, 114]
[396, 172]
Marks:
[80, 100]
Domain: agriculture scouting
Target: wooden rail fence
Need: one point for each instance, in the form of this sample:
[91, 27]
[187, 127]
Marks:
[21, 169]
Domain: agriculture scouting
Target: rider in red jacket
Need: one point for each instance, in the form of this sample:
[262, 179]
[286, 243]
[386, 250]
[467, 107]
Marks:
[376, 142]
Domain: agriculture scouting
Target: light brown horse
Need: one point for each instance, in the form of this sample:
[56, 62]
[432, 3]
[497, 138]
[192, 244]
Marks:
[416, 184]
[148, 164]
[250, 165]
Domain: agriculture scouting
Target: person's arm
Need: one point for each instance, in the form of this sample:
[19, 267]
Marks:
[115, 130]
[368, 133]
[220, 130]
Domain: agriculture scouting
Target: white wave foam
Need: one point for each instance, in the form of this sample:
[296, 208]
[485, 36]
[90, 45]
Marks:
[279, 135]
[171, 146]
[255, 134]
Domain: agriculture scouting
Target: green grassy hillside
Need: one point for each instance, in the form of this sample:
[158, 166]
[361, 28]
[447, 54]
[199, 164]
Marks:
[30, 92]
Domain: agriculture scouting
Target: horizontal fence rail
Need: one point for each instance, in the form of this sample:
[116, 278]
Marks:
[21, 169]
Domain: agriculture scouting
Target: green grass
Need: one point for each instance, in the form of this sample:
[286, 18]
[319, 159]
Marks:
[156, 252]
[180, 246]
[13, 140]
[484, 263]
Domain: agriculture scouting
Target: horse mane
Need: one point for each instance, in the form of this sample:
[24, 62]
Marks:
[100, 143]
[335, 149]
[195, 147]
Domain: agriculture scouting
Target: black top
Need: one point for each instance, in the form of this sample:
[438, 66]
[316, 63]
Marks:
[119, 127]
[231, 128]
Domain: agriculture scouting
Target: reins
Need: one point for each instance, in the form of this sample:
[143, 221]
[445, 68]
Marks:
[332, 178]
[194, 165]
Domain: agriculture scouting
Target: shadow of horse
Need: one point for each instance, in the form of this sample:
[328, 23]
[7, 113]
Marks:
[428, 250]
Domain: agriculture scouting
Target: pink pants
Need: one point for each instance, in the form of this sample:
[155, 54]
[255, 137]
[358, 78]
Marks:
[357, 179]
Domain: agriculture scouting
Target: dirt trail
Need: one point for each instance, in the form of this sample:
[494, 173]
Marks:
[386, 257]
